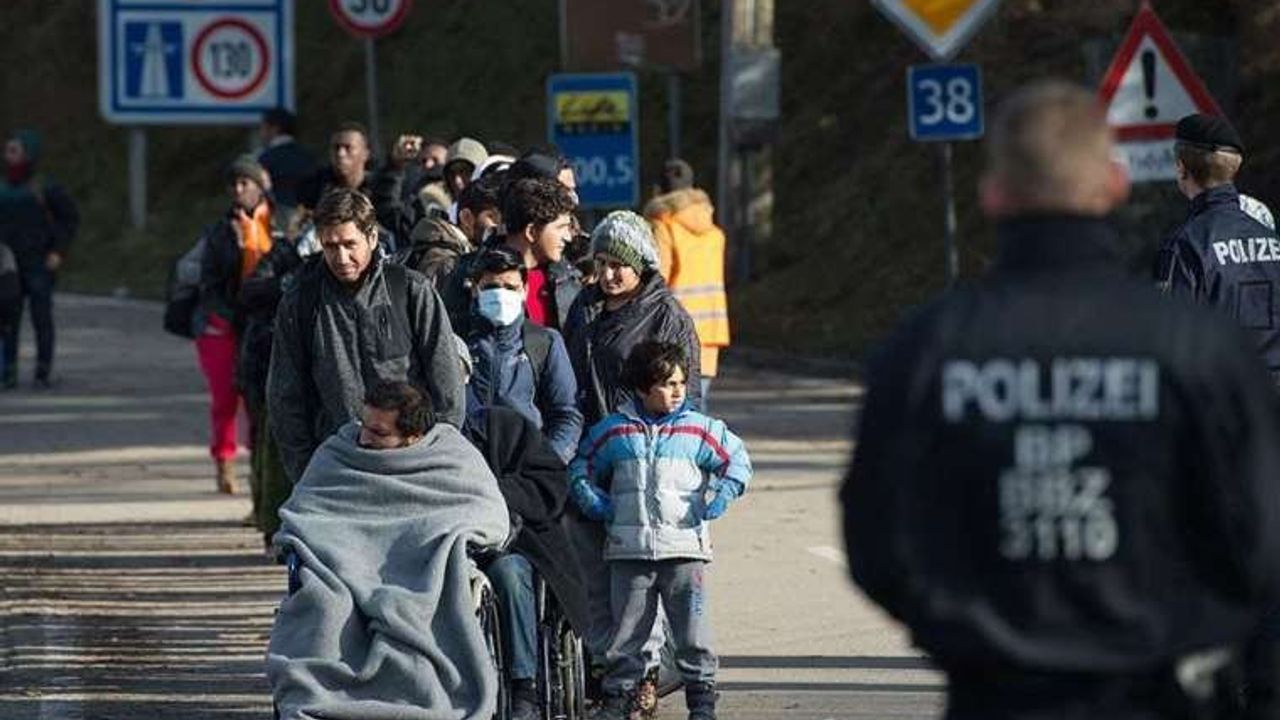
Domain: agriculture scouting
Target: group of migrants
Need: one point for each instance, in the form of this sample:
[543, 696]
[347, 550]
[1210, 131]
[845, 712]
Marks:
[1067, 480]
[446, 315]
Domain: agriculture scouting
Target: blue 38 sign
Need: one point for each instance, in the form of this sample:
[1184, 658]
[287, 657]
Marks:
[944, 102]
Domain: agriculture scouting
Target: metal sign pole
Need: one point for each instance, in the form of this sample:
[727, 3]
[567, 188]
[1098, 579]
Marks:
[371, 83]
[949, 200]
[673, 113]
[138, 177]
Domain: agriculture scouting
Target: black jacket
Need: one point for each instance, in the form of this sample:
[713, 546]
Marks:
[1059, 469]
[36, 218]
[535, 485]
[220, 271]
[600, 341]
[394, 191]
[1222, 256]
[259, 295]
[289, 164]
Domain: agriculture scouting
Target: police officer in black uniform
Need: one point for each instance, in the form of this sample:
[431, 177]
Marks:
[1067, 485]
[1222, 255]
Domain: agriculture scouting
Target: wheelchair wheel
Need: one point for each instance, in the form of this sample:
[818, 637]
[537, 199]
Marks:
[562, 672]
[486, 604]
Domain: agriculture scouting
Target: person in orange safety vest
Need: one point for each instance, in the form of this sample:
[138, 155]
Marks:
[691, 259]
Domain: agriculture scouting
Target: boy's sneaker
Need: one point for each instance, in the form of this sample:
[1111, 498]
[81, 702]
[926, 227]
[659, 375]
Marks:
[644, 704]
[700, 698]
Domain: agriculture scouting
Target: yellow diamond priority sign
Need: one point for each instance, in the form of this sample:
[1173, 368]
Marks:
[940, 27]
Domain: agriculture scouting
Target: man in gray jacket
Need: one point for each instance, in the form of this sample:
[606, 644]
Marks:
[347, 322]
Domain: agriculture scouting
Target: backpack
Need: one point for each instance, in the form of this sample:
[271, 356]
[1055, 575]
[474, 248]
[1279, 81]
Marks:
[537, 346]
[182, 296]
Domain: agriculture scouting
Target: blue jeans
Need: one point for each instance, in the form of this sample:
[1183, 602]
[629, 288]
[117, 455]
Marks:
[37, 289]
[512, 578]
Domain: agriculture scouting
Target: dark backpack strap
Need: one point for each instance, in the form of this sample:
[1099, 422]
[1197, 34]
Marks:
[537, 345]
[398, 288]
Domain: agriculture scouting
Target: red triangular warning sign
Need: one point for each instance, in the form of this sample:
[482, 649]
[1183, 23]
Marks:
[1150, 86]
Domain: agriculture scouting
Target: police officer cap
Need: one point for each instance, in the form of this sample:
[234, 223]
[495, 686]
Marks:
[1210, 132]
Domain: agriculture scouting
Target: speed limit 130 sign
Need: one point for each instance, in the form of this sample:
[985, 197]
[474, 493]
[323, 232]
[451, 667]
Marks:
[944, 102]
[370, 18]
[167, 62]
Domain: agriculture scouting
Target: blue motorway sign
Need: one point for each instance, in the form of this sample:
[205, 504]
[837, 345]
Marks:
[220, 62]
[594, 120]
[944, 102]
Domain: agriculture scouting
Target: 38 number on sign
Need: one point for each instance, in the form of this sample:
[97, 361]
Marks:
[945, 102]
[951, 101]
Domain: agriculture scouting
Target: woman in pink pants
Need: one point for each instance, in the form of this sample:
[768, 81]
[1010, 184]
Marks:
[233, 247]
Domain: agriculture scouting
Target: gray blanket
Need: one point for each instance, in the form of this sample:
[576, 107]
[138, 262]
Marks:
[383, 627]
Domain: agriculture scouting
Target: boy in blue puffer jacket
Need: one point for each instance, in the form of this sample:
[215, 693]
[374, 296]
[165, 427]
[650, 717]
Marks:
[668, 470]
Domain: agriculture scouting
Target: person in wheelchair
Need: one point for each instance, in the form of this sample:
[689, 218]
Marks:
[381, 527]
[534, 483]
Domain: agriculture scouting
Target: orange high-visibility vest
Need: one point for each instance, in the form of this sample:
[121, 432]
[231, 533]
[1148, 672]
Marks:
[691, 259]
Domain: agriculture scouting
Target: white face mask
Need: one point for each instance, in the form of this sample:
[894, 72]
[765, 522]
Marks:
[500, 306]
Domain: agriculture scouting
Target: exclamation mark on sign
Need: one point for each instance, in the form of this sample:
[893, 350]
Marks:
[1149, 82]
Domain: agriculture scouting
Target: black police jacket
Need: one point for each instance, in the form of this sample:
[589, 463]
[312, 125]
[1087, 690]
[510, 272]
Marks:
[1059, 469]
[1223, 257]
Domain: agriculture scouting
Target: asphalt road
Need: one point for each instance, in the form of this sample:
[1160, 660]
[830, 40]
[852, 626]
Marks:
[131, 591]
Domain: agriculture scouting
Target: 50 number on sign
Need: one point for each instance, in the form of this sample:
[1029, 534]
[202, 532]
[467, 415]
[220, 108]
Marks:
[365, 7]
[944, 102]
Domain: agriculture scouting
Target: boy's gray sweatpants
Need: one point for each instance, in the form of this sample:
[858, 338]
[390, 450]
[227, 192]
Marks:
[638, 586]
[588, 538]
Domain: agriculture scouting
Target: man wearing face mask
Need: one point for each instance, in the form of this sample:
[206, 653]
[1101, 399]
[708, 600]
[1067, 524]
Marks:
[516, 363]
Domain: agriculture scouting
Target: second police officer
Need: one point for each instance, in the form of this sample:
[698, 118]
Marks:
[1222, 255]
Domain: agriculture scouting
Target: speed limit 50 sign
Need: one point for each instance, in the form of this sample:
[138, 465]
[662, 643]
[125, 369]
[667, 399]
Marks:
[206, 62]
[370, 18]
